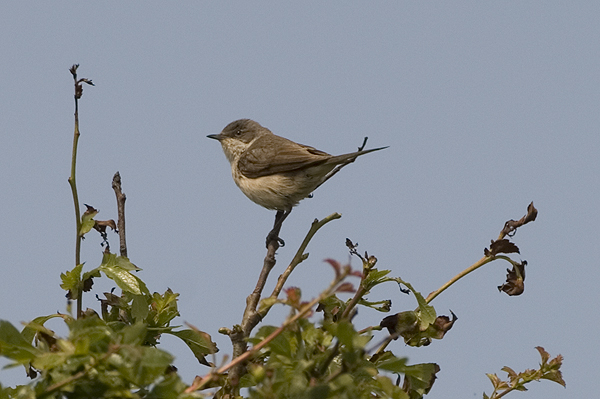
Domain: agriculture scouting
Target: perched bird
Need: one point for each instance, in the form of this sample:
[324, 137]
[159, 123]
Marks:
[275, 172]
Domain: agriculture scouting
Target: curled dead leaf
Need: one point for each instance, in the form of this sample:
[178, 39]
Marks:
[502, 246]
[511, 226]
[443, 324]
[515, 280]
[101, 225]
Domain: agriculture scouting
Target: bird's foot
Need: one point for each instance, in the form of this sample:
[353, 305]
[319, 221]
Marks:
[273, 236]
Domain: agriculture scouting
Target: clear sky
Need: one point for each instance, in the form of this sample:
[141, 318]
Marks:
[486, 106]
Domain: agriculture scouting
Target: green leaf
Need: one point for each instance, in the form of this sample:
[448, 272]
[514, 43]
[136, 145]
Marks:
[18, 392]
[163, 308]
[14, 346]
[390, 389]
[198, 341]
[332, 307]
[317, 392]
[392, 363]
[94, 273]
[71, 281]
[112, 266]
[133, 334]
[90, 334]
[170, 387]
[87, 220]
[344, 331]
[125, 263]
[556, 376]
[420, 378]
[427, 315]
[266, 304]
[375, 277]
[381, 306]
[347, 335]
[49, 360]
[281, 345]
[427, 311]
[139, 307]
[36, 325]
[142, 365]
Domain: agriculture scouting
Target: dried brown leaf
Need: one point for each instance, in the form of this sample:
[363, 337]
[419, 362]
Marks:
[515, 280]
[101, 225]
[511, 226]
[501, 247]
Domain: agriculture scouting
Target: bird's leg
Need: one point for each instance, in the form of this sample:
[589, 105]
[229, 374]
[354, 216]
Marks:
[274, 233]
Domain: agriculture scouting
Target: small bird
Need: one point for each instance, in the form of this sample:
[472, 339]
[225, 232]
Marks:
[274, 172]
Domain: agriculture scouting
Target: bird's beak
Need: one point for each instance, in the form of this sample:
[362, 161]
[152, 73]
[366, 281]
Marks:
[215, 136]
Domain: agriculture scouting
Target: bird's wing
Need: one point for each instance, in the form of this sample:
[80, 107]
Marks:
[273, 154]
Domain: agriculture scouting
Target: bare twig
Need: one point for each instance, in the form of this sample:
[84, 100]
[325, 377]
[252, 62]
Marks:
[116, 185]
[72, 182]
[251, 316]
[199, 383]
[300, 255]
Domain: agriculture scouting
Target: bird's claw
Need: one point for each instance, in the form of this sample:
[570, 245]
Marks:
[275, 237]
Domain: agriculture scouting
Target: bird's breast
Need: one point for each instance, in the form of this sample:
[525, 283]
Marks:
[280, 191]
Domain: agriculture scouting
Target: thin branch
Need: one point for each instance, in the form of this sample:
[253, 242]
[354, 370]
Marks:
[116, 185]
[73, 169]
[200, 383]
[368, 262]
[72, 182]
[78, 375]
[251, 316]
[355, 299]
[300, 256]
[64, 382]
[460, 275]
[510, 227]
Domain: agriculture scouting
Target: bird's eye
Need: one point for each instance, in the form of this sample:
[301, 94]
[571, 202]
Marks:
[238, 133]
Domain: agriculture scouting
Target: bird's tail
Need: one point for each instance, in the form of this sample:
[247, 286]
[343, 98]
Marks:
[350, 157]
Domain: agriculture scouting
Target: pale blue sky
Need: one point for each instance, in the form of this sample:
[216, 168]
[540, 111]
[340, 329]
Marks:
[486, 106]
